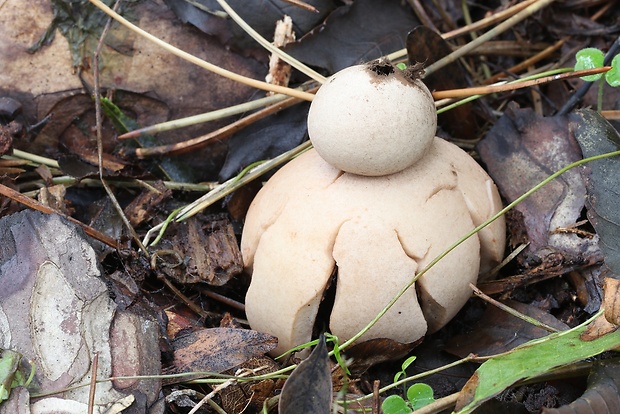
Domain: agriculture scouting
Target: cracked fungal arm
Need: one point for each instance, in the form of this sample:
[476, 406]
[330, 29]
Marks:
[472, 182]
[307, 174]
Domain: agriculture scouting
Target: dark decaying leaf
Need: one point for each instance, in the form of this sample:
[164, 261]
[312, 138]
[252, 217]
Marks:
[520, 151]
[427, 46]
[144, 206]
[9, 109]
[582, 273]
[602, 395]
[248, 395]
[499, 331]
[375, 351]
[354, 34]
[261, 15]
[218, 349]
[309, 388]
[265, 139]
[6, 139]
[602, 179]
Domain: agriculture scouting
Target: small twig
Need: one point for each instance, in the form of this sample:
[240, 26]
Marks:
[35, 158]
[510, 310]
[236, 182]
[93, 383]
[225, 385]
[488, 21]
[229, 186]
[376, 398]
[161, 276]
[424, 18]
[35, 205]
[223, 299]
[206, 117]
[500, 28]
[483, 90]
[491, 274]
[527, 62]
[440, 404]
[303, 5]
[611, 115]
[215, 136]
[544, 53]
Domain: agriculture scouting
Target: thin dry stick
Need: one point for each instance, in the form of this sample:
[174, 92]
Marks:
[161, 276]
[225, 385]
[613, 115]
[439, 405]
[488, 21]
[99, 122]
[482, 90]
[510, 310]
[500, 28]
[217, 135]
[544, 53]
[234, 183]
[202, 63]
[303, 5]
[205, 117]
[480, 24]
[93, 383]
[35, 205]
[375, 397]
[424, 18]
[527, 63]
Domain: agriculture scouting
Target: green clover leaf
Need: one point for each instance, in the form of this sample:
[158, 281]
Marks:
[613, 76]
[590, 58]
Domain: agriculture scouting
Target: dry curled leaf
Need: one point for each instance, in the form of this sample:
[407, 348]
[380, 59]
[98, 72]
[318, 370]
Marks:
[520, 151]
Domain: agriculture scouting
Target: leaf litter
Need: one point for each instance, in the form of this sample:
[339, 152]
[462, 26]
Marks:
[521, 148]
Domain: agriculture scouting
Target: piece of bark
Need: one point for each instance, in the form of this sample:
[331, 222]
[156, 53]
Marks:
[211, 247]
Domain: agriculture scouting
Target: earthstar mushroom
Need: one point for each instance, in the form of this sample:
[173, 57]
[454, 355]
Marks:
[374, 232]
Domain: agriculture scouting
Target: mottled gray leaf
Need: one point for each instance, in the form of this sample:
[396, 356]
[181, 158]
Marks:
[602, 177]
[309, 388]
[520, 151]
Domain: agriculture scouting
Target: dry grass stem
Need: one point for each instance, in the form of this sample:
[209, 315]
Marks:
[200, 62]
